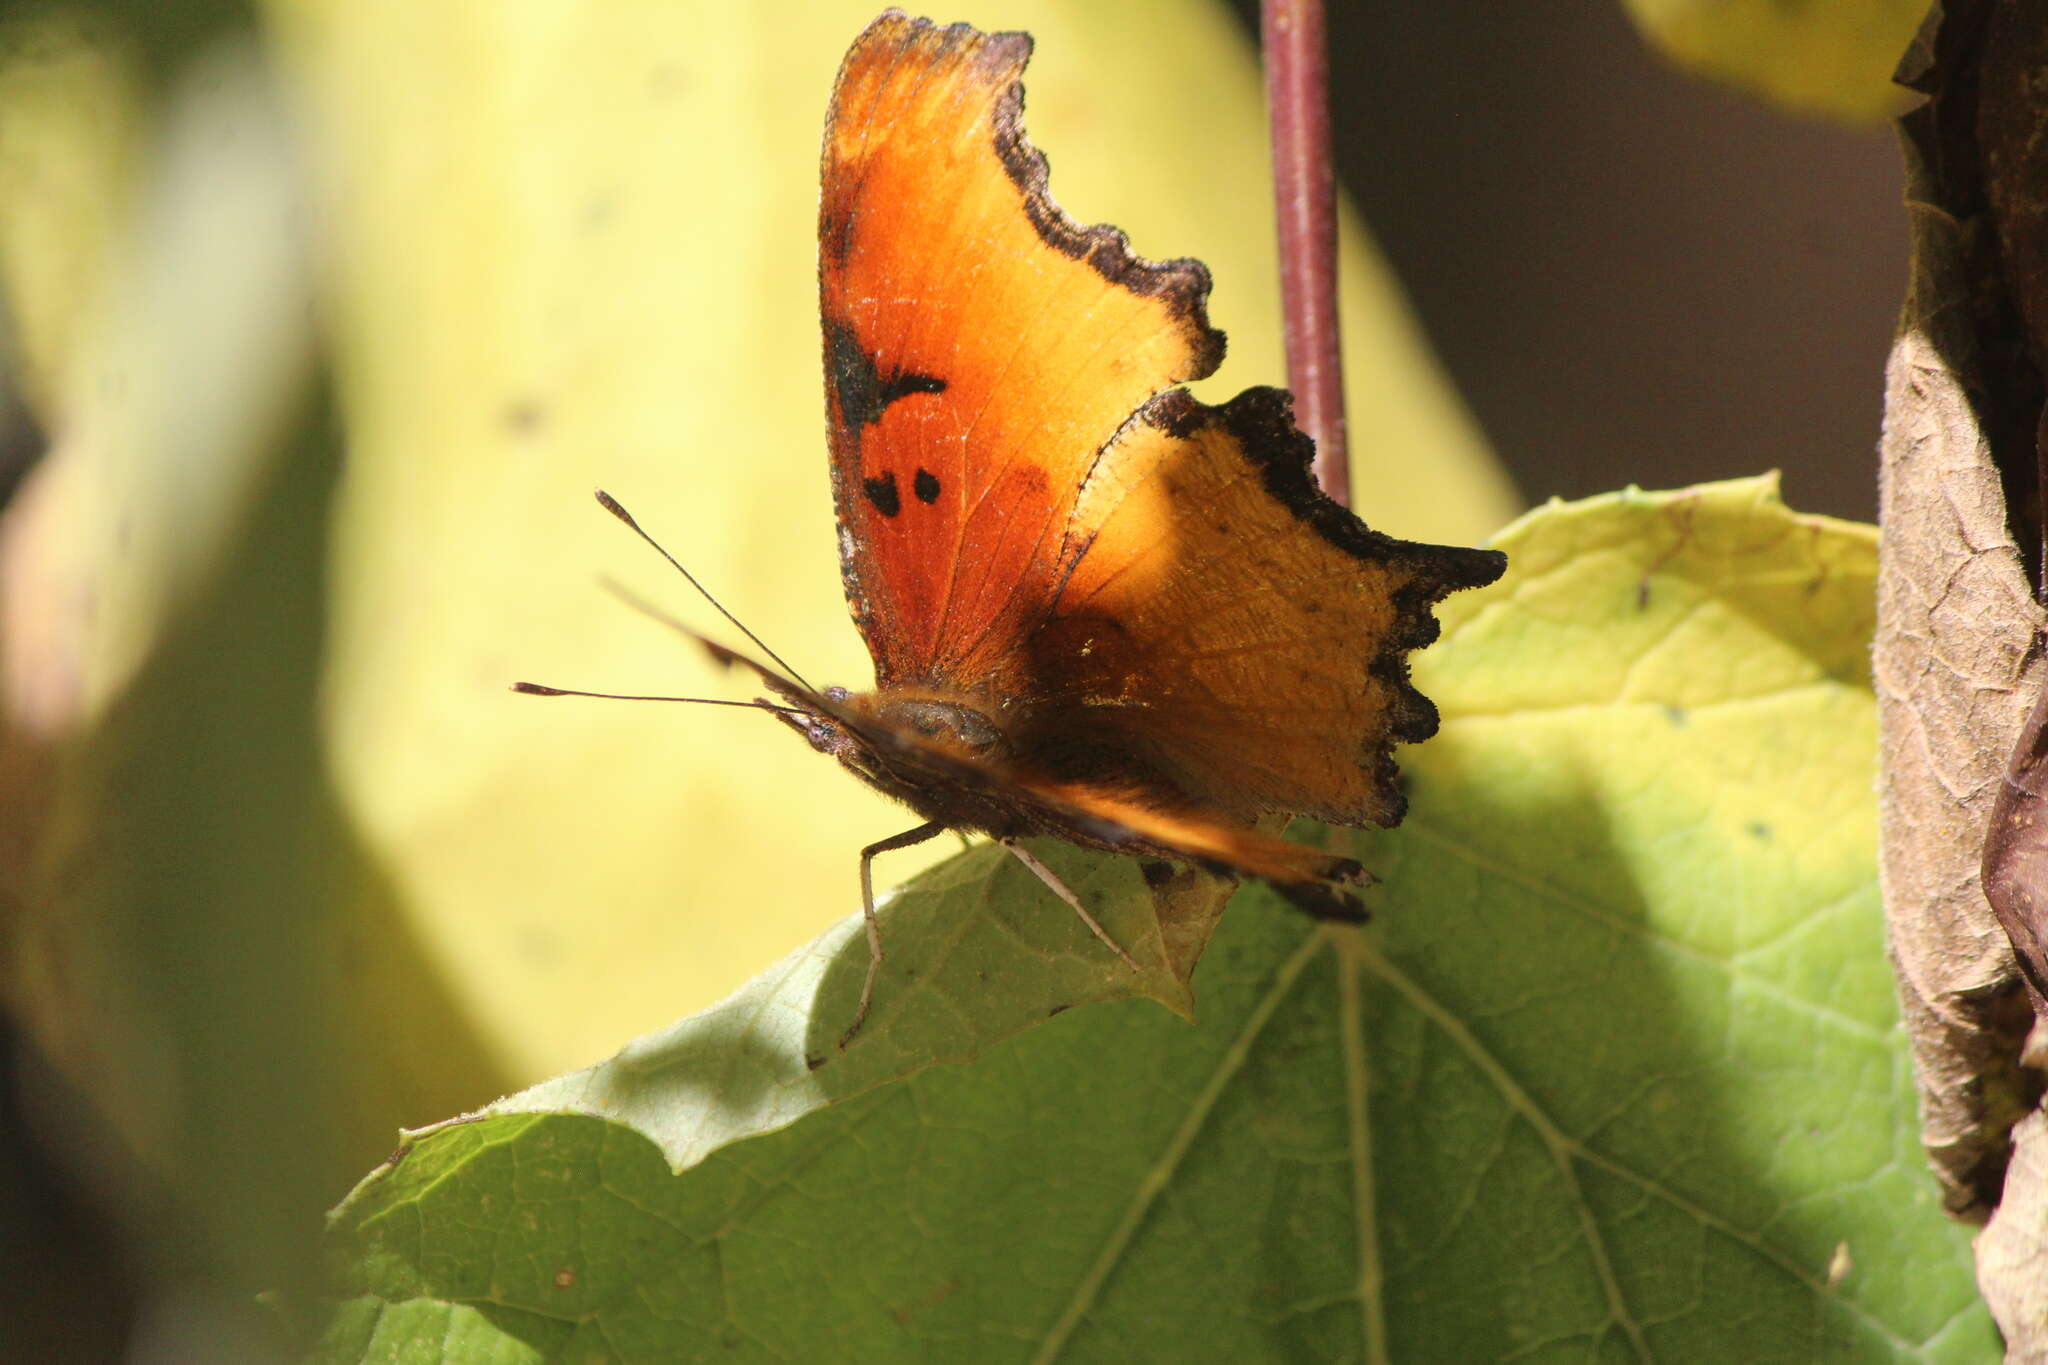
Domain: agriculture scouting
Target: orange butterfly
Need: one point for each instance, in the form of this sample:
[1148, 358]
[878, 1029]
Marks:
[1098, 609]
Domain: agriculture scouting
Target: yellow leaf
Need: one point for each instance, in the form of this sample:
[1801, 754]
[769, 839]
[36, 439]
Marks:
[1834, 59]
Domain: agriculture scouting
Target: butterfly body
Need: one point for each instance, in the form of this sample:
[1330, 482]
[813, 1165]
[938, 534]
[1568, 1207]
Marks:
[924, 751]
[944, 757]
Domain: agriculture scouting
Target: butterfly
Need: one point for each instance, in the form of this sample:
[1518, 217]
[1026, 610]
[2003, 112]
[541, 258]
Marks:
[1098, 609]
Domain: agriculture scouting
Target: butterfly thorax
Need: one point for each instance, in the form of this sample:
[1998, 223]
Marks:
[953, 726]
[944, 756]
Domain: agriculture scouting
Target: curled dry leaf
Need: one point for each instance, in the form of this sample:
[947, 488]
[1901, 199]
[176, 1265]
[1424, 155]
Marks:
[1965, 764]
[2016, 853]
[2011, 1250]
[2011, 125]
[1955, 674]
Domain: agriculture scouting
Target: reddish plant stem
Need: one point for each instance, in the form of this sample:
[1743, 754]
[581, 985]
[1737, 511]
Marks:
[1298, 104]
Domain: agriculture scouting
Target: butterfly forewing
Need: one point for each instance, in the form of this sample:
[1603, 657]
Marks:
[981, 348]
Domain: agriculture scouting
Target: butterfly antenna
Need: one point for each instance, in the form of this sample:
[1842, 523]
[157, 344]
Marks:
[533, 689]
[611, 505]
[656, 614]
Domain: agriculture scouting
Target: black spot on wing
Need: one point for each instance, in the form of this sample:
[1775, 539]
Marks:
[850, 371]
[881, 491]
[903, 385]
[926, 486]
[862, 392]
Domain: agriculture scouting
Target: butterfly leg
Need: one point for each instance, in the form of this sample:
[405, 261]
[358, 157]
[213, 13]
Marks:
[1066, 893]
[930, 829]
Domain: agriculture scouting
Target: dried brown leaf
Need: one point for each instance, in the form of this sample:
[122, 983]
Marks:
[2016, 854]
[1955, 675]
[2012, 1248]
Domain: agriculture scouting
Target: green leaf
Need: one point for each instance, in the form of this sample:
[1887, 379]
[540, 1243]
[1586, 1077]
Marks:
[1613, 1075]
[977, 950]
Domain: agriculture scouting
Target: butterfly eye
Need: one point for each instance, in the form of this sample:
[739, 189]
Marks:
[826, 737]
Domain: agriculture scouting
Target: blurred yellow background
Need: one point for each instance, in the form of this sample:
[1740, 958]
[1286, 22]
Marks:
[556, 248]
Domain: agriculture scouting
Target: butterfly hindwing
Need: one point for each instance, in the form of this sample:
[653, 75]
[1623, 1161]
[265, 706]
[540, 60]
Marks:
[1236, 628]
